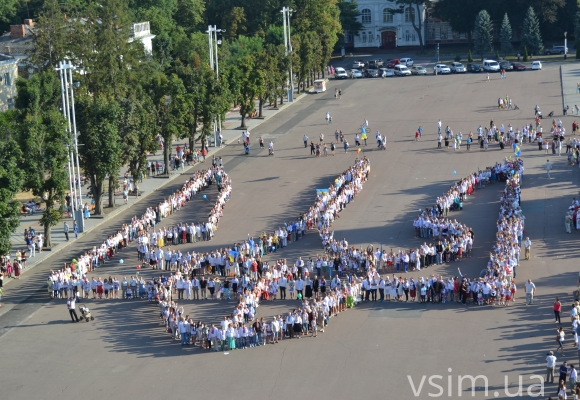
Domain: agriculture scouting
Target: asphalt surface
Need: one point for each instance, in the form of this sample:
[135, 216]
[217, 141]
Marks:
[371, 350]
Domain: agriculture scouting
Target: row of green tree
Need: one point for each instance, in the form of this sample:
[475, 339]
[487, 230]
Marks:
[530, 37]
[554, 16]
[126, 99]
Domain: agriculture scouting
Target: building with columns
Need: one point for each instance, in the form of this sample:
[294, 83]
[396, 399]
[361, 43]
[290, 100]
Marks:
[384, 28]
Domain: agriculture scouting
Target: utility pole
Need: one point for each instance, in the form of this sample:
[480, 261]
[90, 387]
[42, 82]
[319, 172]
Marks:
[286, 12]
[212, 32]
[68, 109]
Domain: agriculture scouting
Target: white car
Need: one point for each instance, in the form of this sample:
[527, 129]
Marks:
[457, 67]
[407, 61]
[401, 70]
[441, 69]
[358, 64]
[537, 65]
[340, 73]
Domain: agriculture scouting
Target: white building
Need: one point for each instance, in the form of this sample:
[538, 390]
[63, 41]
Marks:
[385, 28]
[141, 32]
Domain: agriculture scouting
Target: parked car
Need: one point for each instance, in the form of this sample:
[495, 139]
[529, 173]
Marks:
[490, 66]
[386, 72]
[358, 64]
[372, 73]
[401, 70]
[376, 63]
[418, 70]
[556, 50]
[473, 67]
[457, 67]
[393, 62]
[356, 73]
[518, 66]
[505, 65]
[537, 65]
[340, 73]
[441, 69]
[407, 61]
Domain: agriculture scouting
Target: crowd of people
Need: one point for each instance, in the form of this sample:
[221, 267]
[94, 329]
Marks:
[242, 329]
[142, 230]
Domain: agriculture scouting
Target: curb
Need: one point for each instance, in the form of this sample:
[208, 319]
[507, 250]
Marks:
[60, 247]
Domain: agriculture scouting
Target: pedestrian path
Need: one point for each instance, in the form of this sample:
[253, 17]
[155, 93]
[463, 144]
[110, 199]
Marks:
[570, 75]
[149, 185]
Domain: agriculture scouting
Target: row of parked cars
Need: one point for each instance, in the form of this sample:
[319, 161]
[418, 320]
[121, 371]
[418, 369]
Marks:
[487, 66]
[406, 66]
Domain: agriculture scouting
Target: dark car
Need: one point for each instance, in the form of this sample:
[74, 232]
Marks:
[372, 73]
[505, 65]
[393, 62]
[518, 66]
[474, 68]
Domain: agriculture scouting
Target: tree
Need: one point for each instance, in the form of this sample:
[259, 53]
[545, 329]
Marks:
[505, 36]
[235, 20]
[170, 105]
[461, 14]
[11, 178]
[349, 18]
[577, 25]
[578, 49]
[190, 15]
[482, 34]
[416, 8]
[251, 85]
[469, 57]
[137, 132]
[525, 57]
[44, 136]
[50, 37]
[8, 9]
[531, 37]
[98, 124]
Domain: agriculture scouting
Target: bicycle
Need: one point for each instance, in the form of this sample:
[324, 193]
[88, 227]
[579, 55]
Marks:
[367, 129]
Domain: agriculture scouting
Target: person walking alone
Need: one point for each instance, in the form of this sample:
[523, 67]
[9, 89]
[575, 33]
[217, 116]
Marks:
[557, 310]
[548, 168]
[66, 229]
[530, 292]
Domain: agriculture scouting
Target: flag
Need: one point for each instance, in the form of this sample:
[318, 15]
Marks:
[357, 150]
[517, 151]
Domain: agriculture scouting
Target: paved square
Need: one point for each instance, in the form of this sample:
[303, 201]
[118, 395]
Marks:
[371, 350]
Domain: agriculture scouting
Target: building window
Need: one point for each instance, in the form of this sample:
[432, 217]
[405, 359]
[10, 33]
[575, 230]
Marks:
[364, 37]
[7, 80]
[370, 37]
[409, 14]
[387, 16]
[443, 34]
[432, 33]
[11, 104]
[366, 16]
[348, 37]
[407, 36]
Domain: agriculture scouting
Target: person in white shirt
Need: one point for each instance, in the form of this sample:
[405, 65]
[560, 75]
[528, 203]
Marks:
[71, 305]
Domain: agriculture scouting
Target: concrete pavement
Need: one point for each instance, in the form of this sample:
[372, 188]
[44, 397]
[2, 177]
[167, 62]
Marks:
[371, 350]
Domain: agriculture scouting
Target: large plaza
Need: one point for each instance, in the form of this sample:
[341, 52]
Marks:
[374, 349]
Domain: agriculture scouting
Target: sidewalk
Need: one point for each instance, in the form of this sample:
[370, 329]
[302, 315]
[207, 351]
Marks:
[146, 187]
